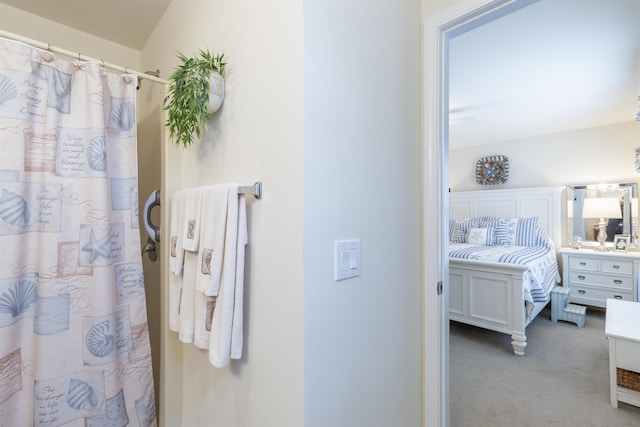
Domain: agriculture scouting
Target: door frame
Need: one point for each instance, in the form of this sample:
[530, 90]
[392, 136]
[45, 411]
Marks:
[438, 30]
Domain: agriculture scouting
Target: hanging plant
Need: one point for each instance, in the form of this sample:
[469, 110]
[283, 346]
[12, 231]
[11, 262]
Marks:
[189, 98]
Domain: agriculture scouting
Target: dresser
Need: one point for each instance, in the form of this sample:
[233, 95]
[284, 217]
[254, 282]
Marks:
[593, 276]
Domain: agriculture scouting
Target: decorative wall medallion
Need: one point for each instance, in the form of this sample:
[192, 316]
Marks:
[492, 170]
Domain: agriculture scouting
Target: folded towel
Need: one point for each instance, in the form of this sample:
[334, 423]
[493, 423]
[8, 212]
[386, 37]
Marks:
[212, 236]
[222, 331]
[191, 222]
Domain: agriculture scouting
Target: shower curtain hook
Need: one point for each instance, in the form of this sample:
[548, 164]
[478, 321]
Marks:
[78, 63]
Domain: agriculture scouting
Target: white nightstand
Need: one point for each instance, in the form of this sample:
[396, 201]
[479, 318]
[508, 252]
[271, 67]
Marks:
[622, 329]
[593, 276]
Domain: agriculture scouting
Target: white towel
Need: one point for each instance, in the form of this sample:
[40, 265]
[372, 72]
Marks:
[175, 290]
[176, 255]
[191, 222]
[175, 280]
[187, 298]
[238, 305]
[212, 236]
[222, 331]
[204, 309]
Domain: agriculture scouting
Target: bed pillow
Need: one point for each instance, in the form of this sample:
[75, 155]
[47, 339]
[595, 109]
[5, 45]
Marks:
[499, 224]
[518, 232]
[489, 220]
[462, 226]
[453, 230]
[543, 238]
[480, 236]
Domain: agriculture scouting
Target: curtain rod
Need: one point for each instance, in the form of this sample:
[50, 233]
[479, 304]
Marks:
[70, 54]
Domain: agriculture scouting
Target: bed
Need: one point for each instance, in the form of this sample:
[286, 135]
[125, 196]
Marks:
[502, 283]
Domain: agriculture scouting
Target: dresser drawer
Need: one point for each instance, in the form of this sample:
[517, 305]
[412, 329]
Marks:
[597, 297]
[616, 266]
[609, 281]
[583, 263]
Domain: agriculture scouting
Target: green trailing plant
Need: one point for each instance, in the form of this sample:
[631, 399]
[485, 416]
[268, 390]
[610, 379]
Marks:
[188, 94]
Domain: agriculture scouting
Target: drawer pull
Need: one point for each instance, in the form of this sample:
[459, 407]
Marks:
[581, 277]
[616, 267]
[617, 281]
[583, 263]
[581, 292]
[617, 296]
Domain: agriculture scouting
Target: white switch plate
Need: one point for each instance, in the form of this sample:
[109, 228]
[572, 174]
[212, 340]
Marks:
[347, 259]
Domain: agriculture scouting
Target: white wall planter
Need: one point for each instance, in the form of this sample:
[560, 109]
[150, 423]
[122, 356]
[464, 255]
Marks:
[216, 93]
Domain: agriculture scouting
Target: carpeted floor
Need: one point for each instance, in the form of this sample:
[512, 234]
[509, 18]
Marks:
[562, 380]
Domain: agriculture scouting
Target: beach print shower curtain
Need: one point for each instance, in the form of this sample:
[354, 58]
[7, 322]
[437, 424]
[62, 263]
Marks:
[74, 342]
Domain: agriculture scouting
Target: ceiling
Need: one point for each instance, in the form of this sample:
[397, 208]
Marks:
[126, 22]
[551, 67]
[554, 66]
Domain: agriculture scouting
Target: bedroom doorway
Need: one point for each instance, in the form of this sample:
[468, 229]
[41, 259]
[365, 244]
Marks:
[438, 31]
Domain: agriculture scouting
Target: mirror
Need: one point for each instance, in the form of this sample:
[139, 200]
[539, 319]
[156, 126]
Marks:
[617, 204]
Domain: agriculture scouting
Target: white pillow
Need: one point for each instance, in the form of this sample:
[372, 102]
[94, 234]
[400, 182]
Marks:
[480, 236]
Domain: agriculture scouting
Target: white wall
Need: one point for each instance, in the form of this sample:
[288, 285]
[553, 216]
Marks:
[362, 180]
[371, 327]
[601, 154]
[257, 135]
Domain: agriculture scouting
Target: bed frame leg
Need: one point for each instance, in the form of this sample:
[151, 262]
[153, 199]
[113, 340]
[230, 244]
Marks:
[519, 342]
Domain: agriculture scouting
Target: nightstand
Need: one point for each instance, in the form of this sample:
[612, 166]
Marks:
[623, 333]
[593, 276]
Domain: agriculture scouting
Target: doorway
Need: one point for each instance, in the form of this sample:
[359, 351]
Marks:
[439, 30]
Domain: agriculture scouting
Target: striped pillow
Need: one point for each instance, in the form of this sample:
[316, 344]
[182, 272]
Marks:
[462, 225]
[518, 232]
[453, 230]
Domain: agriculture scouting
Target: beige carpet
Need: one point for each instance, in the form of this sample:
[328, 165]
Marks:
[562, 380]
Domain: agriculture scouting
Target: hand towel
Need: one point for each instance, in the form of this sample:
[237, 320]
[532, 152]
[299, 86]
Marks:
[176, 254]
[212, 236]
[223, 315]
[191, 222]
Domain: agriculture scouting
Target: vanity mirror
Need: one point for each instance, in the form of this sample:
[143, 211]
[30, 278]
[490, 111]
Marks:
[596, 213]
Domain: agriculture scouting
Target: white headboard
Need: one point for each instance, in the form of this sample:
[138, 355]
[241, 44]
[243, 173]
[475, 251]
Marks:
[547, 203]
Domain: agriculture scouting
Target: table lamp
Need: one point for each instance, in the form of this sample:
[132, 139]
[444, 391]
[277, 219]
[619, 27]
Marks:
[601, 207]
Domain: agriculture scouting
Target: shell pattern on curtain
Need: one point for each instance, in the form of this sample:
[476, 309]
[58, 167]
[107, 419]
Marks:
[74, 342]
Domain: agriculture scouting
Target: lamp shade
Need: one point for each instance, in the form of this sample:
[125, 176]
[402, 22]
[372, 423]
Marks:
[601, 207]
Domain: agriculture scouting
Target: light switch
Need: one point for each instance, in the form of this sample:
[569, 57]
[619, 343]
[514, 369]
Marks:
[347, 259]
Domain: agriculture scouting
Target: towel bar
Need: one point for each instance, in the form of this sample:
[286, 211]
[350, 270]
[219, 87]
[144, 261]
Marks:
[254, 190]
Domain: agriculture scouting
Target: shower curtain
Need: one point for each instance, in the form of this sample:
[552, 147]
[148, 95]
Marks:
[74, 342]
